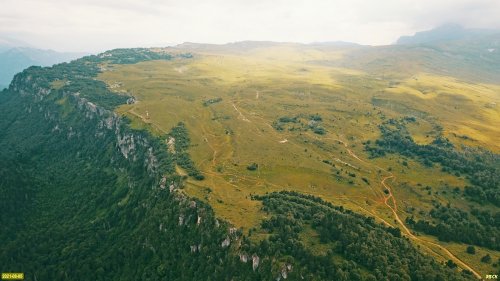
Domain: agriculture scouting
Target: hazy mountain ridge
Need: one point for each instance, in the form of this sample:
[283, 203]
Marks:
[469, 54]
[472, 55]
[15, 58]
[448, 32]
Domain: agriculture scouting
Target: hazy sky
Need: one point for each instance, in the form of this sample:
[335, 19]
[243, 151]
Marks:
[95, 25]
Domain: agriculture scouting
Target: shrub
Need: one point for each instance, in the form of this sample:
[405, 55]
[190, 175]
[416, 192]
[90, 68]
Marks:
[253, 167]
[486, 259]
[471, 250]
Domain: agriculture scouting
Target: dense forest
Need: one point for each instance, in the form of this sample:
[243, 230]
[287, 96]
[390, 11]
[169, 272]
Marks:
[358, 248]
[85, 197]
[479, 228]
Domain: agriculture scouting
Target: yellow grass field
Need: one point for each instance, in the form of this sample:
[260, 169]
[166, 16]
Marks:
[259, 86]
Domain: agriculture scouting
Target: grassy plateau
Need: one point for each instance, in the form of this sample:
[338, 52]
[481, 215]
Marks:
[296, 117]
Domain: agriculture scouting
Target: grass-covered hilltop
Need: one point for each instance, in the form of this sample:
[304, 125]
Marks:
[255, 161]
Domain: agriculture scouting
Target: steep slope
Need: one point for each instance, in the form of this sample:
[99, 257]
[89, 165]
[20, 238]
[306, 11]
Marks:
[88, 197]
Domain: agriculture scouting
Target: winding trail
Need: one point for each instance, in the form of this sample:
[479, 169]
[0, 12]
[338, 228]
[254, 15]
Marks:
[394, 209]
[386, 197]
[240, 114]
[214, 155]
[350, 151]
[146, 121]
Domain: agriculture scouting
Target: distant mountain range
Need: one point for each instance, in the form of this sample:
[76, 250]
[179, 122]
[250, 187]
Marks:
[16, 56]
[450, 50]
[447, 32]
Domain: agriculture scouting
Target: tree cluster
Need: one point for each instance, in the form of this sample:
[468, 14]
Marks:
[481, 167]
[481, 228]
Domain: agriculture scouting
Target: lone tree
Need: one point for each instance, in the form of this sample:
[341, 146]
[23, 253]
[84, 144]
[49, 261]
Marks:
[486, 259]
[471, 250]
[451, 264]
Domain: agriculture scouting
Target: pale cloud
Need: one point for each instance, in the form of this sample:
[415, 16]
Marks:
[92, 25]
